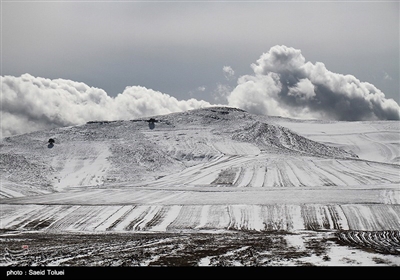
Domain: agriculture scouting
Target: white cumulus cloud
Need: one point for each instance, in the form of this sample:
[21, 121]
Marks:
[228, 72]
[31, 103]
[285, 84]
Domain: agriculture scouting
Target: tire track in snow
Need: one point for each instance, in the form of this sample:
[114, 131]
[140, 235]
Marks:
[171, 213]
[103, 221]
[157, 218]
[144, 217]
[346, 176]
[188, 218]
[328, 178]
[44, 221]
[317, 217]
[274, 217]
[125, 210]
[247, 177]
[361, 169]
[239, 177]
[359, 177]
[80, 216]
[372, 216]
[132, 218]
[115, 213]
[214, 217]
[15, 214]
[23, 220]
[387, 150]
[67, 217]
[380, 241]
[283, 174]
[259, 176]
[390, 171]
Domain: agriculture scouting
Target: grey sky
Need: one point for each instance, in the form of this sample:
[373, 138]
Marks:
[180, 47]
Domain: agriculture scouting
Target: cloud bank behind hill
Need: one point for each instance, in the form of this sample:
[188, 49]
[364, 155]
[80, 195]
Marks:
[33, 103]
[284, 84]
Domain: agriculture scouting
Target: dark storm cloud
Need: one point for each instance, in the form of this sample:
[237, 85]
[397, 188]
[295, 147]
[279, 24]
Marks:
[285, 84]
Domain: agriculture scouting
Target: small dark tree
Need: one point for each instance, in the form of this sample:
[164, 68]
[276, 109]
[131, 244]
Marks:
[51, 141]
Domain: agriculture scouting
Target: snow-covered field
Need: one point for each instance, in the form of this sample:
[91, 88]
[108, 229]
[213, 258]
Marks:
[327, 192]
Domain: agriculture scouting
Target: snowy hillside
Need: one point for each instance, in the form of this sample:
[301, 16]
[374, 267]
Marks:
[133, 152]
[214, 169]
[370, 140]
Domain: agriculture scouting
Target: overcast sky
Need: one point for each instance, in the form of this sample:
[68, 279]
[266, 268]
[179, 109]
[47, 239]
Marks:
[204, 50]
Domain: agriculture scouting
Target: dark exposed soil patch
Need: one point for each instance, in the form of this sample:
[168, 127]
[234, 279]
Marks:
[161, 249]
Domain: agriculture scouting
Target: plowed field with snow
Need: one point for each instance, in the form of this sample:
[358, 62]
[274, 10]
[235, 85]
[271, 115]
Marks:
[213, 174]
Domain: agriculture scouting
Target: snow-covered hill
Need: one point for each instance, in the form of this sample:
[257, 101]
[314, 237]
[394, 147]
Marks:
[217, 168]
[133, 152]
[312, 186]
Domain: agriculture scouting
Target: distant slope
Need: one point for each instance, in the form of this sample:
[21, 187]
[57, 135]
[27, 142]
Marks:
[370, 140]
[268, 135]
